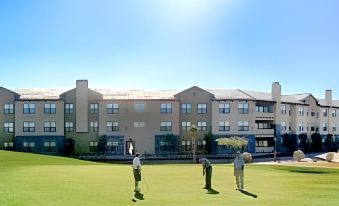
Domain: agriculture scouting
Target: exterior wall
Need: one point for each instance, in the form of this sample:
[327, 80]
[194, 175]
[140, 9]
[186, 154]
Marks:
[39, 118]
[6, 97]
[143, 137]
[195, 96]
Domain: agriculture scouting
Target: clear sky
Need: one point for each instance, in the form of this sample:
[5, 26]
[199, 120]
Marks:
[171, 44]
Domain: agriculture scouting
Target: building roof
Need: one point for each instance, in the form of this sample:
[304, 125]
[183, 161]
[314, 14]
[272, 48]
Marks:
[335, 103]
[39, 94]
[295, 98]
[229, 94]
[136, 94]
[259, 95]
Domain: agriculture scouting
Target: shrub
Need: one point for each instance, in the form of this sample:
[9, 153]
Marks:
[298, 155]
[329, 156]
[247, 157]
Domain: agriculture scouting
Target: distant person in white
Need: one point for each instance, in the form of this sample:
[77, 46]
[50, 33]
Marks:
[137, 172]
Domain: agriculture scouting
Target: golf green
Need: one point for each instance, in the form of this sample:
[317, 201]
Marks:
[38, 180]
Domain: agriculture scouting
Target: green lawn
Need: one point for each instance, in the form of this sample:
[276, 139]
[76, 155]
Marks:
[34, 180]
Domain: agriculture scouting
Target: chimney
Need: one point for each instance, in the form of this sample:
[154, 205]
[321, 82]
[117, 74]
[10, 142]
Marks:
[81, 106]
[276, 91]
[328, 97]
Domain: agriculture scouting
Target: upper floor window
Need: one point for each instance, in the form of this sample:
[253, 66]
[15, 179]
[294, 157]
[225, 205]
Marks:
[165, 108]
[283, 126]
[112, 126]
[94, 107]
[139, 124]
[8, 127]
[69, 127]
[49, 127]
[334, 113]
[112, 108]
[301, 111]
[324, 112]
[186, 108]
[264, 108]
[49, 109]
[29, 108]
[202, 126]
[283, 109]
[9, 108]
[93, 126]
[69, 108]
[185, 126]
[202, 109]
[243, 107]
[224, 108]
[29, 127]
[139, 107]
[165, 126]
[243, 126]
[264, 125]
[324, 126]
[301, 126]
[224, 126]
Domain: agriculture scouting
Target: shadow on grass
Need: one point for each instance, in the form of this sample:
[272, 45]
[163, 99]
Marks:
[138, 196]
[212, 191]
[248, 193]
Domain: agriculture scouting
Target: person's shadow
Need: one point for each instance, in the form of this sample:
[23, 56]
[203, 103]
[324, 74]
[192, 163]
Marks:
[248, 193]
[138, 196]
[212, 191]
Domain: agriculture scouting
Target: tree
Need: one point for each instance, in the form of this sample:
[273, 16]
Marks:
[193, 130]
[102, 144]
[235, 143]
[316, 142]
[330, 144]
[290, 141]
[302, 141]
[69, 146]
[209, 140]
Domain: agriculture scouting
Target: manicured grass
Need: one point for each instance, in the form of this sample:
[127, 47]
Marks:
[34, 180]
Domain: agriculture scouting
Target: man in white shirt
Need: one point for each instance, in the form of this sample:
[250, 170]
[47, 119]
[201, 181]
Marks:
[137, 171]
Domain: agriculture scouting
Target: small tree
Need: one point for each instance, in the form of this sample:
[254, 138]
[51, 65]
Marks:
[235, 143]
[69, 146]
[209, 139]
[316, 142]
[290, 141]
[193, 130]
[302, 141]
[102, 144]
[330, 144]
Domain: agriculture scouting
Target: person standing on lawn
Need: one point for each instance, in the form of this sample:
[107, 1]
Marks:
[206, 170]
[239, 170]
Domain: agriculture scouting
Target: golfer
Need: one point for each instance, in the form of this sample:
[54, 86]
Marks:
[239, 170]
[137, 172]
[206, 169]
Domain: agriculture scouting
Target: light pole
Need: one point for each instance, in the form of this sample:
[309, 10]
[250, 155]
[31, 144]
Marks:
[193, 131]
[275, 142]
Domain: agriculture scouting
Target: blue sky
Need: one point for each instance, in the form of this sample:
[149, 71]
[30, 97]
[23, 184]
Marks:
[171, 44]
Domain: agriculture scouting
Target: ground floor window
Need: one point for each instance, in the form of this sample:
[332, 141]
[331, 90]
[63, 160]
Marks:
[93, 146]
[201, 145]
[8, 145]
[269, 142]
[186, 145]
[49, 146]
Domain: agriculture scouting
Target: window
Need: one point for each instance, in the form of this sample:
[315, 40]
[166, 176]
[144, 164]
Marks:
[29, 127]
[261, 143]
[264, 108]
[283, 126]
[8, 127]
[93, 126]
[302, 111]
[243, 107]
[93, 146]
[312, 114]
[202, 109]
[224, 108]
[264, 125]
[9, 108]
[69, 127]
[312, 127]
[29, 108]
[185, 126]
[28, 144]
[49, 109]
[324, 112]
[94, 108]
[139, 107]
[49, 146]
[165, 126]
[8, 145]
[324, 126]
[139, 124]
[224, 126]
[283, 109]
[112, 108]
[49, 127]
[112, 126]
[69, 108]
[334, 113]
[202, 126]
[165, 108]
[201, 144]
[186, 145]
[186, 108]
[334, 127]
[243, 126]
[301, 126]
